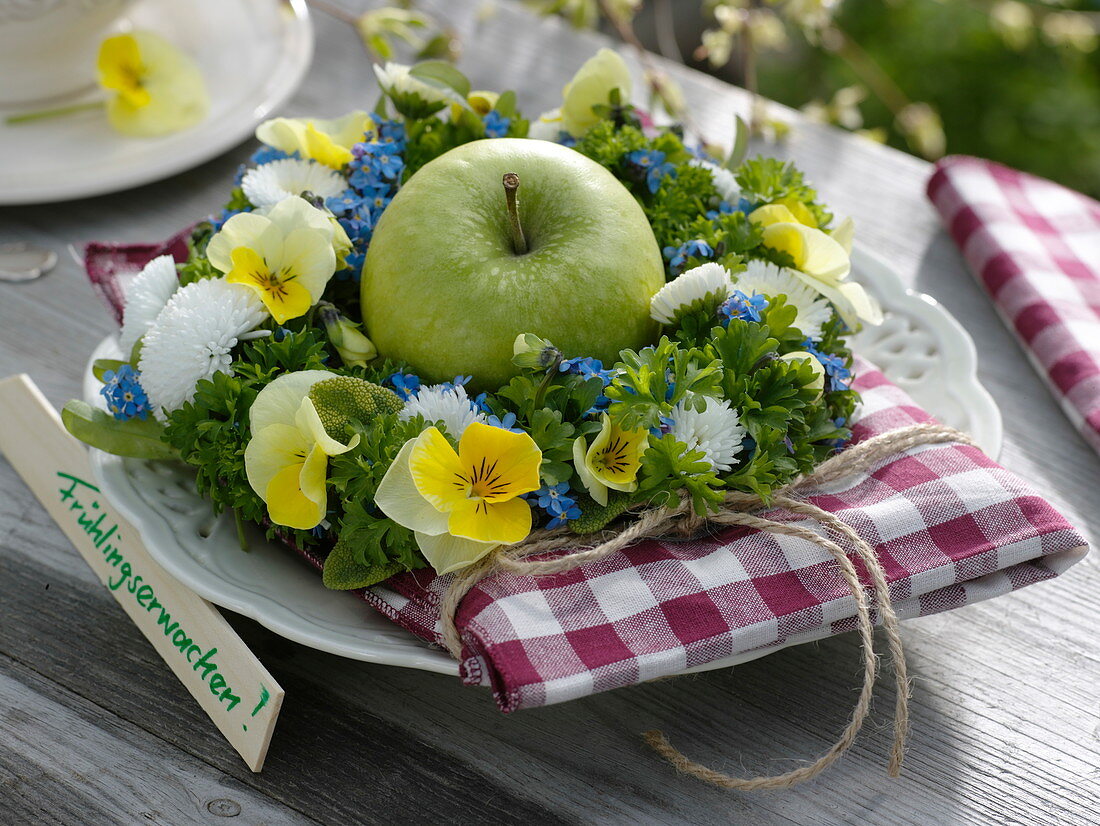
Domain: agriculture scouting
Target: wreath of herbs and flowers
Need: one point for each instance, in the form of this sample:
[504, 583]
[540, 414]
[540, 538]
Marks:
[245, 362]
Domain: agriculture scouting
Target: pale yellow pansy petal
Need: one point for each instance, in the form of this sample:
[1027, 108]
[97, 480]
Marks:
[242, 230]
[308, 421]
[799, 210]
[272, 448]
[596, 489]
[591, 86]
[285, 134]
[279, 401]
[398, 498]
[499, 464]
[308, 258]
[287, 505]
[446, 553]
[439, 475]
[812, 251]
[770, 214]
[844, 234]
[295, 212]
[504, 522]
[313, 475]
[850, 299]
[346, 130]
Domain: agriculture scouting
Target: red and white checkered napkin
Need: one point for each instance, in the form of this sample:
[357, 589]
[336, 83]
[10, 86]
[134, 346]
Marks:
[950, 525]
[1035, 246]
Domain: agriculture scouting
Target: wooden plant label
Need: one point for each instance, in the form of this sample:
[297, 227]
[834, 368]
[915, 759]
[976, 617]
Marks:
[189, 633]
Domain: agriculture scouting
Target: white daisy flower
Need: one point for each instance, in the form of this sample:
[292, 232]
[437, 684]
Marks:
[762, 278]
[192, 338]
[449, 404]
[700, 288]
[723, 179]
[266, 185]
[717, 431]
[145, 298]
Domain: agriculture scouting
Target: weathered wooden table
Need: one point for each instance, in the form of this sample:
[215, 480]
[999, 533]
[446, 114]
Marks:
[94, 728]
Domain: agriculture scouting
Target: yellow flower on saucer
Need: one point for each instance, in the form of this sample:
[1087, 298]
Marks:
[286, 256]
[591, 86]
[611, 461]
[461, 505]
[820, 262]
[286, 460]
[326, 141]
[157, 88]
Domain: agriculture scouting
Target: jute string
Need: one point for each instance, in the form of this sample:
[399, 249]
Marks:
[738, 510]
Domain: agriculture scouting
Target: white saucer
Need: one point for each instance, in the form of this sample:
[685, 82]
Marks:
[253, 54]
[920, 347]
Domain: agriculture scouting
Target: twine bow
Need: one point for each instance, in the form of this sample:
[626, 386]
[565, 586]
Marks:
[740, 509]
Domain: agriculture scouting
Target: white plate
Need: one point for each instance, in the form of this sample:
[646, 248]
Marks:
[253, 55]
[920, 346]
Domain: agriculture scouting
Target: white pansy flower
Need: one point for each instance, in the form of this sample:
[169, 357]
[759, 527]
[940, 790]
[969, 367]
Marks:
[267, 185]
[723, 179]
[193, 337]
[716, 431]
[701, 288]
[766, 279]
[145, 298]
[449, 404]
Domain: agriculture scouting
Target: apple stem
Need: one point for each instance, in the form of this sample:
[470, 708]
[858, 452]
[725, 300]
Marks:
[511, 194]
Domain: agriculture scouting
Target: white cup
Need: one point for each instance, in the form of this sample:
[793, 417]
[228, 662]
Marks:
[48, 48]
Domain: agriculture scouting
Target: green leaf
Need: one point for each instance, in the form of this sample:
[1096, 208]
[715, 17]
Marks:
[101, 366]
[506, 104]
[134, 438]
[439, 73]
[740, 148]
[343, 572]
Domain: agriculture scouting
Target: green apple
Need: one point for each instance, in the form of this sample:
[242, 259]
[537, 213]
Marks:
[450, 279]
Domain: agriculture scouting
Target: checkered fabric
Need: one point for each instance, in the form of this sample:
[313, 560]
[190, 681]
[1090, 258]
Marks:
[1035, 247]
[950, 526]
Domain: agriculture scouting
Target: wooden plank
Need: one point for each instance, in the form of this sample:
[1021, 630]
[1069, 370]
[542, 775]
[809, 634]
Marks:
[65, 760]
[191, 636]
[339, 762]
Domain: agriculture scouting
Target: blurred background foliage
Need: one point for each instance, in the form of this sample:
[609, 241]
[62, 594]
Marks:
[1017, 81]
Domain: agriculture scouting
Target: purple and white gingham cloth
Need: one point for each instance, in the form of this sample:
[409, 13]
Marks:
[1035, 247]
[950, 526]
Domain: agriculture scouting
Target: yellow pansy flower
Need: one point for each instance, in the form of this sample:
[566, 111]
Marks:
[286, 256]
[819, 262]
[157, 88]
[611, 461]
[286, 460]
[591, 86]
[461, 505]
[480, 102]
[327, 141]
